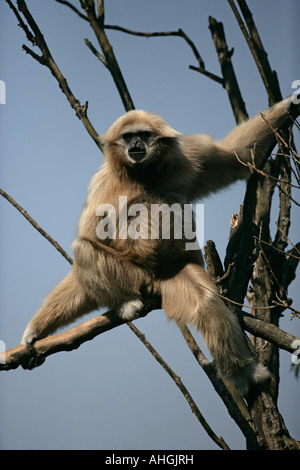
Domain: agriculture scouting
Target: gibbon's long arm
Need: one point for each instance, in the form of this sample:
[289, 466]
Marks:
[217, 163]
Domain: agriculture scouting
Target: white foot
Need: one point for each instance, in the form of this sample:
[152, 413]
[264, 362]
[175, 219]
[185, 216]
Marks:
[130, 310]
[28, 339]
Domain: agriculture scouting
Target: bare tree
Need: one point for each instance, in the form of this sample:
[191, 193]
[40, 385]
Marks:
[256, 267]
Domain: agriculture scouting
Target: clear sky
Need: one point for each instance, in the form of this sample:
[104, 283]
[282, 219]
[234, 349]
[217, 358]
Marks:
[110, 393]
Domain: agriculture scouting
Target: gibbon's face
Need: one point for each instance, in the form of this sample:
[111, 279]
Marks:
[138, 145]
[138, 138]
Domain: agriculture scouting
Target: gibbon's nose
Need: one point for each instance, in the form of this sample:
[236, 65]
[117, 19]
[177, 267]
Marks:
[137, 150]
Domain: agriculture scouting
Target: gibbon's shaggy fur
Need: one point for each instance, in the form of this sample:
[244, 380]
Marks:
[150, 163]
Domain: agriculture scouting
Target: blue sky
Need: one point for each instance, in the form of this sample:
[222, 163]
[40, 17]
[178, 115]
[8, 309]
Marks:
[110, 393]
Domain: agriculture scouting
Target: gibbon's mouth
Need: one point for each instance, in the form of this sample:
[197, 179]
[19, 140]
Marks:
[137, 154]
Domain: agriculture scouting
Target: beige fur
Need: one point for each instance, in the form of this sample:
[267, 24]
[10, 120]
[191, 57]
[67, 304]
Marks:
[118, 273]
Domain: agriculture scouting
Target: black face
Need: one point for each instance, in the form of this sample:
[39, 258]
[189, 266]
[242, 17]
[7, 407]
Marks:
[137, 144]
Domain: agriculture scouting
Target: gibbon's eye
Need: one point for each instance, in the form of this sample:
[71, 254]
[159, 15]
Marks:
[127, 136]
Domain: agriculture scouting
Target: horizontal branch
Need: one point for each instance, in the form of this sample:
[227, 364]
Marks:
[74, 337]
[267, 331]
[178, 33]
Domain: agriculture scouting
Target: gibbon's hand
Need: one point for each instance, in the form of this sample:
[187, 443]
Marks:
[34, 360]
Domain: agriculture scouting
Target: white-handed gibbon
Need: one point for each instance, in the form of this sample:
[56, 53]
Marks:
[147, 163]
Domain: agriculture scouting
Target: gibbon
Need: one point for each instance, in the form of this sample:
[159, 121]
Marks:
[148, 165]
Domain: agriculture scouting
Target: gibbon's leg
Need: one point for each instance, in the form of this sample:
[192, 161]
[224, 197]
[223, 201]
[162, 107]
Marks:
[65, 303]
[191, 297]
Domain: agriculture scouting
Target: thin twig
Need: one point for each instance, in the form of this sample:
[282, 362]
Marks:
[36, 225]
[269, 244]
[179, 33]
[95, 52]
[253, 168]
[69, 4]
[287, 238]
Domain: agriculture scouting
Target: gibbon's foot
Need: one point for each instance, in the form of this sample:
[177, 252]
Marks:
[34, 360]
[28, 339]
[251, 374]
[130, 310]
